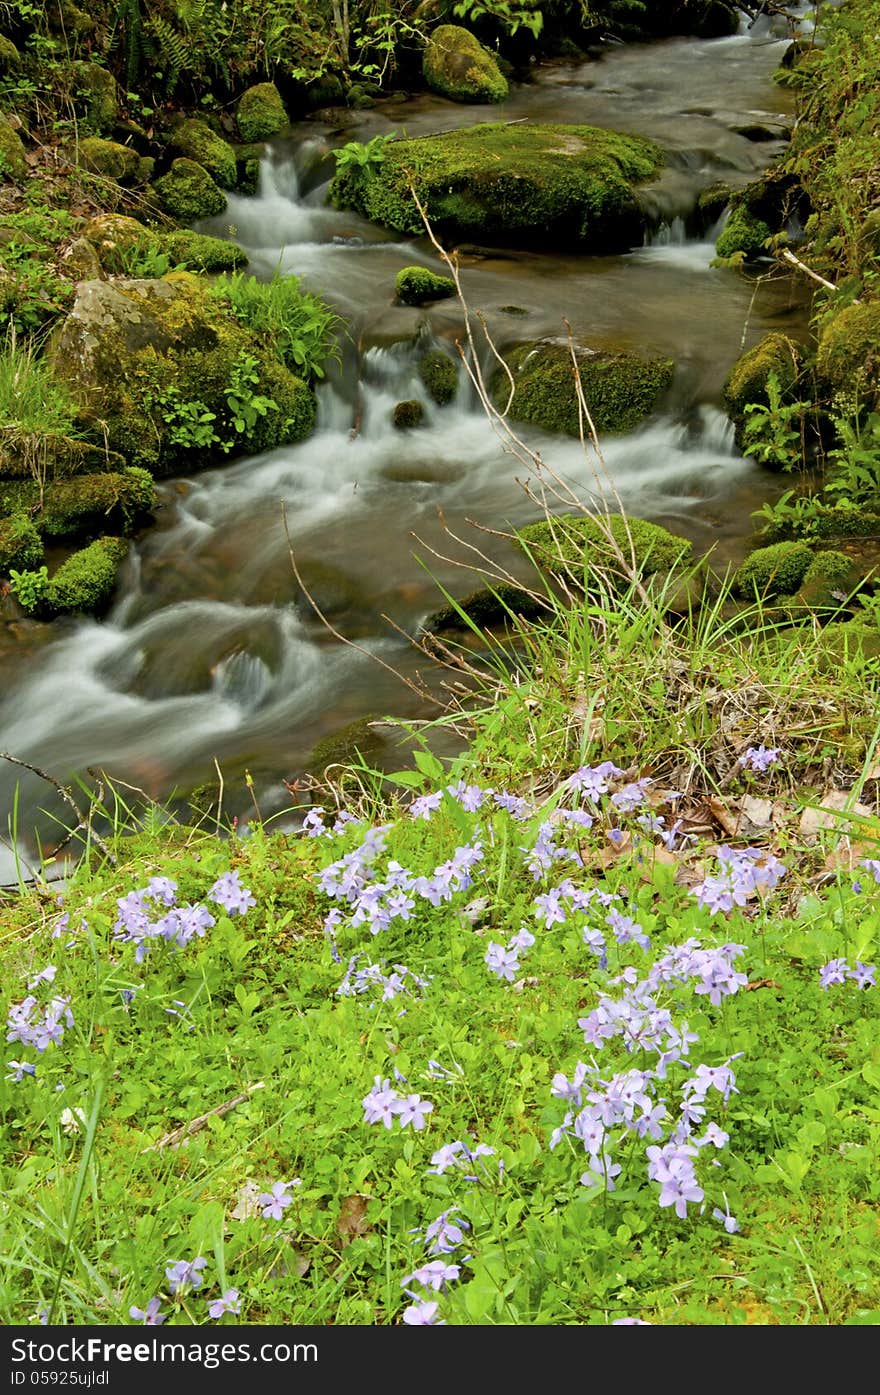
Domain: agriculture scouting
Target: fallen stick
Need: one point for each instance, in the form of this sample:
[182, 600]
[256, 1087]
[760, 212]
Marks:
[177, 1136]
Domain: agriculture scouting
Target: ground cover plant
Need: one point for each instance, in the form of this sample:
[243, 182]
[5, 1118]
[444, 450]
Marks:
[580, 1029]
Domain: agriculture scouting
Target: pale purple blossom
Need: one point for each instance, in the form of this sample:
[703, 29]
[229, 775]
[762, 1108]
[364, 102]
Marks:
[422, 1315]
[229, 893]
[228, 1303]
[151, 1316]
[182, 1275]
[275, 1201]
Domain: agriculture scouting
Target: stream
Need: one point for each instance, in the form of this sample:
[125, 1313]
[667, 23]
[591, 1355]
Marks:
[211, 652]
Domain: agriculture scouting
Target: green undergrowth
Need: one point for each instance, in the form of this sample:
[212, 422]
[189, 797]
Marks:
[219, 1055]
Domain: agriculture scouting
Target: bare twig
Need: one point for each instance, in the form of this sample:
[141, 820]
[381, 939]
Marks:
[177, 1136]
[83, 820]
[790, 257]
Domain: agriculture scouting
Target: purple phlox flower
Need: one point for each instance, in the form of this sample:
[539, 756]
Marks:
[343, 820]
[19, 1069]
[381, 1104]
[549, 907]
[651, 823]
[62, 925]
[759, 758]
[629, 797]
[595, 942]
[650, 1123]
[445, 1157]
[229, 893]
[44, 976]
[161, 889]
[672, 1166]
[183, 1275]
[151, 1316]
[564, 1089]
[592, 781]
[873, 866]
[834, 971]
[630, 1322]
[275, 1201]
[626, 930]
[425, 804]
[670, 837]
[470, 797]
[706, 1078]
[504, 963]
[615, 836]
[228, 1303]
[714, 1135]
[445, 1233]
[578, 818]
[730, 1223]
[436, 1274]
[519, 809]
[423, 1315]
[413, 1110]
[601, 1173]
[863, 974]
[523, 939]
[313, 824]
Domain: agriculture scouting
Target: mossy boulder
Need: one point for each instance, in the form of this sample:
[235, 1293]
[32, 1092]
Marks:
[573, 543]
[52, 456]
[529, 184]
[102, 503]
[620, 389]
[13, 164]
[194, 140]
[260, 112]
[742, 234]
[199, 252]
[439, 373]
[188, 192]
[416, 285]
[456, 65]
[95, 97]
[85, 583]
[407, 415]
[154, 361]
[746, 382]
[829, 581]
[109, 158]
[20, 544]
[777, 570]
[487, 606]
[343, 747]
[848, 356]
[10, 58]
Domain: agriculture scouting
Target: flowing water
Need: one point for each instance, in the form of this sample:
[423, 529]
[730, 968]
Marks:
[211, 652]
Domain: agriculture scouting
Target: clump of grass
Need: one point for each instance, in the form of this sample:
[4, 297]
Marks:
[35, 409]
[299, 325]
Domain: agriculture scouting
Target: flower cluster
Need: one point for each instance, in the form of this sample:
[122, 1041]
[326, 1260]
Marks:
[838, 971]
[151, 914]
[504, 963]
[276, 1200]
[383, 1105]
[460, 1156]
[744, 873]
[184, 1277]
[400, 981]
[36, 1025]
[759, 758]
[442, 1237]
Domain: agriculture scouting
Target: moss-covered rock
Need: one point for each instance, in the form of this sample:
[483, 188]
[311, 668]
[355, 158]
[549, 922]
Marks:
[188, 192]
[118, 240]
[194, 140]
[416, 285]
[407, 414]
[344, 746]
[487, 606]
[51, 456]
[85, 583]
[95, 97]
[742, 233]
[572, 186]
[199, 252]
[81, 262]
[573, 543]
[88, 504]
[777, 570]
[260, 112]
[620, 389]
[20, 543]
[13, 164]
[848, 356]
[828, 582]
[747, 380]
[114, 236]
[154, 360]
[456, 65]
[111, 159]
[10, 58]
[439, 373]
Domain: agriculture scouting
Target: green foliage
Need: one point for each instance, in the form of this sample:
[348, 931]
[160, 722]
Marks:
[774, 433]
[511, 17]
[33, 287]
[29, 586]
[86, 581]
[191, 425]
[245, 405]
[299, 325]
[356, 155]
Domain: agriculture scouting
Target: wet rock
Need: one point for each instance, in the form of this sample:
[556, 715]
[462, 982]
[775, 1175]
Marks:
[10, 58]
[407, 414]
[572, 544]
[486, 606]
[12, 161]
[777, 570]
[573, 186]
[194, 140]
[456, 65]
[416, 285]
[85, 583]
[747, 381]
[188, 192]
[260, 112]
[439, 373]
[620, 389]
[109, 158]
[363, 738]
[95, 97]
[81, 261]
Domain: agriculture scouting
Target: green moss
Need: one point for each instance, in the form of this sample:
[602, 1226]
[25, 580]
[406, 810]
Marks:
[848, 356]
[742, 233]
[86, 581]
[85, 504]
[344, 746]
[12, 162]
[260, 112]
[439, 373]
[194, 140]
[577, 541]
[488, 606]
[528, 184]
[109, 158]
[828, 581]
[747, 380]
[93, 90]
[297, 407]
[10, 58]
[777, 570]
[456, 65]
[407, 414]
[199, 252]
[20, 544]
[620, 389]
[415, 285]
[188, 192]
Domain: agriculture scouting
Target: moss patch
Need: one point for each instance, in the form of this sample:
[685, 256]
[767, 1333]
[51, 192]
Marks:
[488, 606]
[407, 414]
[777, 570]
[86, 504]
[743, 233]
[86, 581]
[199, 252]
[747, 379]
[848, 356]
[20, 544]
[828, 582]
[12, 162]
[188, 192]
[439, 373]
[260, 112]
[620, 389]
[94, 95]
[456, 65]
[109, 158]
[577, 542]
[526, 184]
[416, 285]
[194, 140]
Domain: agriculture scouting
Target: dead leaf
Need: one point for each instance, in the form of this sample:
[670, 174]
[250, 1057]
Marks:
[246, 1204]
[758, 812]
[351, 1220]
[724, 817]
[833, 811]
